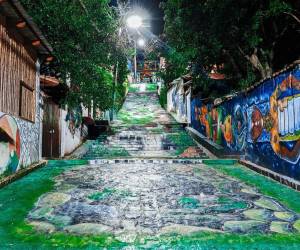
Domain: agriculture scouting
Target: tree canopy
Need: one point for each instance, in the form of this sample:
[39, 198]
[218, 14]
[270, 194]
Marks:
[83, 35]
[245, 39]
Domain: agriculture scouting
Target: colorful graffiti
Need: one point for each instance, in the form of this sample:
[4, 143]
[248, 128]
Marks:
[211, 122]
[74, 118]
[10, 147]
[177, 101]
[263, 124]
[285, 113]
[239, 124]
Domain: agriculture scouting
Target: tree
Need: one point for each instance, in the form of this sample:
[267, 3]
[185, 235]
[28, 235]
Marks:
[177, 65]
[83, 35]
[244, 38]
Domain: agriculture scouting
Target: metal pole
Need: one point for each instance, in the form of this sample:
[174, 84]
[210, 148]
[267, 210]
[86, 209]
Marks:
[135, 63]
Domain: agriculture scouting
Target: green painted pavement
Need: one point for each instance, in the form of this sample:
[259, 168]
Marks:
[18, 199]
[195, 198]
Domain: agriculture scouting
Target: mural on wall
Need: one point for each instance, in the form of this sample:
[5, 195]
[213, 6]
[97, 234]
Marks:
[74, 119]
[178, 101]
[263, 124]
[239, 127]
[211, 122]
[10, 146]
[285, 113]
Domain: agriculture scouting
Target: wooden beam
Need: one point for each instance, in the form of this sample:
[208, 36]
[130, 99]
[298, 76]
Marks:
[21, 25]
[36, 43]
[49, 58]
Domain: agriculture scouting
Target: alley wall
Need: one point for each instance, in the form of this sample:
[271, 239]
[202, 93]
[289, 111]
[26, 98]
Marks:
[262, 123]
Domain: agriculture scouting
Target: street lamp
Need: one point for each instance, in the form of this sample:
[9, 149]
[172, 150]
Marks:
[134, 21]
[141, 42]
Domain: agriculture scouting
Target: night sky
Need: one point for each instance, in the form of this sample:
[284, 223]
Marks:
[152, 7]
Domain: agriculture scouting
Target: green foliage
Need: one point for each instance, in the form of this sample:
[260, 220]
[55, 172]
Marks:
[121, 90]
[83, 35]
[176, 66]
[163, 99]
[99, 89]
[245, 39]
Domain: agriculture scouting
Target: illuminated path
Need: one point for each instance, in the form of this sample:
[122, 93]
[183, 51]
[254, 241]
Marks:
[140, 190]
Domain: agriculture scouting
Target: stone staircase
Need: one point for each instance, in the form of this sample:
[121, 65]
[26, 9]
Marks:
[142, 143]
[161, 137]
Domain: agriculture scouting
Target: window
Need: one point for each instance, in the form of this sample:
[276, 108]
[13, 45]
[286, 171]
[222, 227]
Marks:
[27, 102]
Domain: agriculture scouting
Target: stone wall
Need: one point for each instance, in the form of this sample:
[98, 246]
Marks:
[262, 123]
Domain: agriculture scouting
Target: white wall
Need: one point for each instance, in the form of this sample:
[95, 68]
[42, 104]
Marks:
[170, 105]
[69, 142]
[188, 105]
[180, 105]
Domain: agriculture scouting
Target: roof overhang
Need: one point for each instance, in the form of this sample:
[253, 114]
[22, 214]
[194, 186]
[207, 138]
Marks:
[48, 81]
[14, 11]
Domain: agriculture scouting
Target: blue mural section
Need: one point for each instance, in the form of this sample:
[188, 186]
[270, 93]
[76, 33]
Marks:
[178, 101]
[262, 123]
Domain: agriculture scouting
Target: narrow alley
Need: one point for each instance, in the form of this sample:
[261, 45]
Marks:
[144, 129]
[143, 187]
[150, 124]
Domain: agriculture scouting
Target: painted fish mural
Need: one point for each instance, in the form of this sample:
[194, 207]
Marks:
[263, 124]
[10, 147]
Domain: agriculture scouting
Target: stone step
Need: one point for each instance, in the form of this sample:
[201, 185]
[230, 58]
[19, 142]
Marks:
[149, 161]
[144, 143]
[143, 154]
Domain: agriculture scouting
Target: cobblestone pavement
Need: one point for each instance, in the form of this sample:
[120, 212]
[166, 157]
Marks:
[153, 199]
[130, 199]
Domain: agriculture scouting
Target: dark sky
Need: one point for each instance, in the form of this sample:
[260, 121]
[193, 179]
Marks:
[156, 14]
[152, 6]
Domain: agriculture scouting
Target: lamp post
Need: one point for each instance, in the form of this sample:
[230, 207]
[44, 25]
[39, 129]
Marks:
[135, 62]
[135, 22]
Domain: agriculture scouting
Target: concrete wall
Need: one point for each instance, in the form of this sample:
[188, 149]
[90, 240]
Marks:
[263, 123]
[70, 135]
[20, 140]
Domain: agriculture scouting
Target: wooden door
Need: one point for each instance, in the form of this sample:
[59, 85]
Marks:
[51, 132]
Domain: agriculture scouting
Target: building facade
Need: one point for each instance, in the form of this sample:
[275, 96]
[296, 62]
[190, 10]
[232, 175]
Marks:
[22, 49]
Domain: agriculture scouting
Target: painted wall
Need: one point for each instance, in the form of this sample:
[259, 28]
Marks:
[263, 124]
[72, 131]
[20, 141]
[178, 102]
